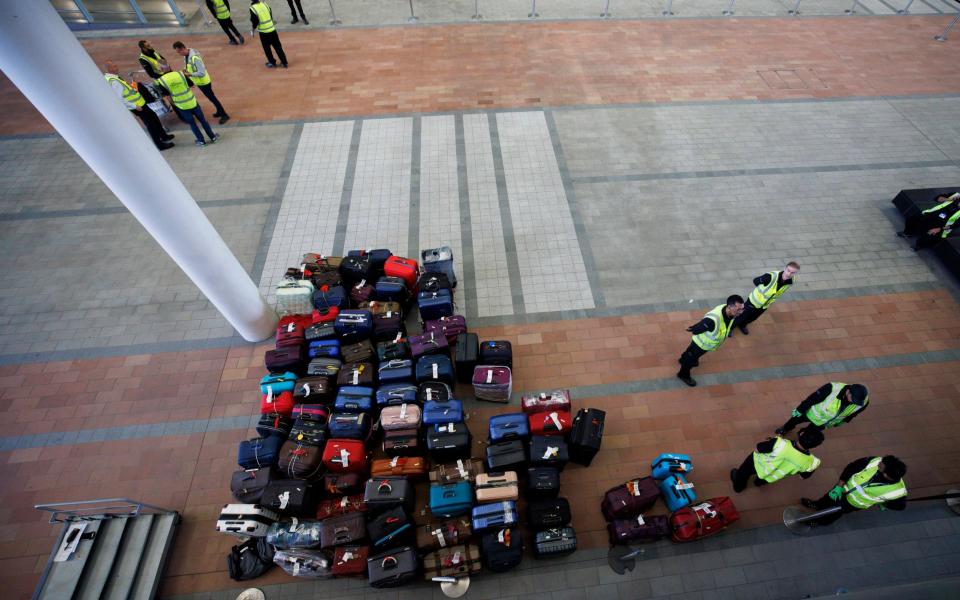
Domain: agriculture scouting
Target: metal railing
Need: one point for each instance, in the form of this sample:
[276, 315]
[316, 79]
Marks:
[93, 510]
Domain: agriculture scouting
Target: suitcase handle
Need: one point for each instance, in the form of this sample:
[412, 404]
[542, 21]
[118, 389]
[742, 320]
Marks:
[384, 484]
[391, 561]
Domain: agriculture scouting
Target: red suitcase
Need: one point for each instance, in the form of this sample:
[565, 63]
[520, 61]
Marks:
[334, 507]
[550, 423]
[630, 499]
[404, 268]
[638, 529]
[702, 520]
[546, 401]
[281, 404]
[349, 561]
[345, 456]
[290, 334]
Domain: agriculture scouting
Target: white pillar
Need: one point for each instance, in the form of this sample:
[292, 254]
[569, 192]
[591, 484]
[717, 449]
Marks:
[43, 58]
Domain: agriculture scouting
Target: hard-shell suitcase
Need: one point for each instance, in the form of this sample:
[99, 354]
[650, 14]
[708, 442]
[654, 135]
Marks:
[667, 463]
[247, 485]
[278, 382]
[314, 390]
[341, 530]
[630, 499]
[324, 349]
[334, 507]
[345, 456]
[543, 483]
[450, 327]
[435, 368]
[556, 400]
[457, 561]
[355, 269]
[353, 426]
[443, 534]
[465, 356]
[502, 549]
[309, 564]
[388, 327]
[465, 469]
[392, 568]
[300, 461]
[378, 257]
[293, 296]
[392, 394]
[285, 358]
[354, 325]
[350, 561]
[344, 484]
[259, 453]
[704, 519]
[435, 305]
[496, 352]
[362, 373]
[402, 442]
[638, 529]
[509, 426]
[330, 296]
[298, 534]
[492, 516]
[545, 514]
[439, 260]
[391, 289]
[323, 330]
[290, 498]
[448, 442]
[290, 334]
[433, 391]
[676, 491]
[354, 399]
[586, 435]
[450, 411]
[324, 367]
[360, 352]
[274, 425]
[428, 343]
[246, 520]
[406, 269]
[405, 416]
[554, 542]
[509, 455]
[279, 404]
[315, 413]
[378, 308]
[309, 432]
[398, 370]
[384, 493]
[548, 452]
[497, 487]
[492, 383]
[411, 467]
[451, 499]
[391, 528]
[393, 350]
[553, 423]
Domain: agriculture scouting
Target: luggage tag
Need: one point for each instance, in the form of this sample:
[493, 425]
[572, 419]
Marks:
[344, 458]
[290, 327]
[429, 394]
[640, 520]
[556, 421]
[705, 507]
[397, 339]
[347, 557]
[356, 375]
[403, 411]
[463, 472]
[553, 452]
[489, 375]
[393, 461]
[389, 313]
[270, 395]
[284, 498]
[293, 524]
[683, 486]
[362, 283]
[436, 371]
[508, 516]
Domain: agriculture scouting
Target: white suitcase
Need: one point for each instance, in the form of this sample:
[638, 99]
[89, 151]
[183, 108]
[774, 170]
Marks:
[246, 520]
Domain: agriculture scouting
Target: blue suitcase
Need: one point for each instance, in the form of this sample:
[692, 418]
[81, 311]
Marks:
[354, 399]
[330, 296]
[667, 463]
[350, 426]
[279, 382]
[354, 326]
[324, 349]
[450, 411]
[396, 371]
[490, 516]
[676, 491]
[260, 453]
[393, 394]
[509, 426]
[451, 500]
[436, 367]
[391, 289]
[434, 305]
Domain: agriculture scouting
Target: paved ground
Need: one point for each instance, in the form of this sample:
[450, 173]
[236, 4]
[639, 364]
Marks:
[580, 226]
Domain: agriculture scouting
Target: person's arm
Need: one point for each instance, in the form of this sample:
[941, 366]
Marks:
[854, 468]
[118, 90]
[766, 446]
[149, 69]
[852, 416]
[254, 21]
[210, 7]
[200, 68]
[762, 280]
[701, 327]
[815, 398]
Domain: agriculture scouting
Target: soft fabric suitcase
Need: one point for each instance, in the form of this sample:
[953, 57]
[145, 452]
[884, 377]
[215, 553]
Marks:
[388, 327]
[350, 561]
[315, 413]
[360, 352]
[435, 368]
[509, 426]
[342, 530]
[395, 371]
[450, 411]
[433, 391]
[247, 485]
[502, 549]
[405, 416]
[314, 390]
[434, 282]
[465, 356]
[496, 487]
[278, 382]
[391, 394]
[450, 500]
[320, 263]
[391, 289]
[354, 399]
[290, 334]
[428, 343]
[274, 425]
[378, 308]
[492, 383]
[259, 453]
[279, 404]
[586, 435]
[553, 423]
[543, 483]
[324, 349]
[393, 350]
[334, 507]
[354, 269]
[300, 461]
[330, 296]
[345, 456]
[326, 279]
[402, 443]
[246, 520]
[406, 269]
[391, 528]
[492, 516]
[676, 491]
[443, 534]
[448, 442]
[630, 499]
[250, 559]
[545, 514]
[667, 463]
[411, 467]
[354, 326]
[344, 484]
[309, 564]
[384, 493]
[703, 520]
[450, 327]
[457, 561]
[465, 469]
[554, 542]
[556, 400]
[439, 260]
[496, 352]
[290, 498]
[548, 452]
[323, 330]
[435, 305]
[362, 373]
[509, 455]
[309, 432]
[638, 529]
[392, 568]
[353, 426]
[324, 367]
[361, 292]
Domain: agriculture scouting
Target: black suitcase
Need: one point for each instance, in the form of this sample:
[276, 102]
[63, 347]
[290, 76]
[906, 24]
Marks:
[315, 390]
[290, 498]
[433, 391]
[392, 568]
[586, 434]
[506, 456]
[502, 549]
[543, 483]
[248, 485]
[465, 356]
[390, 529]
[548, 451]
[496, 352]
[554, 542]
[545, 514]
[320, 331]
[446, 446]
[385, 493]
[354, 269]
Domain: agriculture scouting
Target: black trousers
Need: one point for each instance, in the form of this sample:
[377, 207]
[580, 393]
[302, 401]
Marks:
[228, 27]
[925, 240]
[208, 92]
[794, 421]
[745, 471]
[152, 123]
[826, 502]
[269, 40]
[690, 359]
[300, 8]
[750, 314]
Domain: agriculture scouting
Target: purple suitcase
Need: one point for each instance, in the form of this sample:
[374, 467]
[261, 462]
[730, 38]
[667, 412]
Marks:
[429, 343]
[450, 327]
[630, 499]
[492, 383]
[639, 529]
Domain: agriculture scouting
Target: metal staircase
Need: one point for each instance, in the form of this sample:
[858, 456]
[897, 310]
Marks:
[113, 548]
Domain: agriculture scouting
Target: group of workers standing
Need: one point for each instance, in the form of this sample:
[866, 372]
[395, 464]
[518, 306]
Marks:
[864, 483]
[261, 21]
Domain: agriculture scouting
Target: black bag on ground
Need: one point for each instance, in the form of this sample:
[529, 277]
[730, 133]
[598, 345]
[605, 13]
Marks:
[465, 356]
[250, 560]
[392, 568]
[502, 549]
[543, 482]
[544, 514]
[586, 434]
[247, 486]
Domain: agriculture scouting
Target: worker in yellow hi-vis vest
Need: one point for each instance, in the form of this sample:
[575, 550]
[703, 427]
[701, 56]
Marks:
[261, 20]
[778, 457]
[769, 287]
[196, 70]
[153, 63]
[177, 85]
[708, 335]
[864, 483]
[221, 10]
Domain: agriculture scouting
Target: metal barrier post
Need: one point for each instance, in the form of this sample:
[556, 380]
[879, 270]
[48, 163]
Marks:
[606, 11]
[333, 15]
[729, 11]
[176, 13]
[533, 11]
[476, 10]
[137, 11]
[943, 36]
[413, 18]
[906, 9]
[853, 9]
[796, 9]
[669, 11]
[83, 10]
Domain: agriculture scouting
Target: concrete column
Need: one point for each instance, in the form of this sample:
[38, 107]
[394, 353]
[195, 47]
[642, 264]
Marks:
[42, 57]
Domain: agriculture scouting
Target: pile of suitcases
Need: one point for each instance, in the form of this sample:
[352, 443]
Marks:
[356, 415]
[624, 506]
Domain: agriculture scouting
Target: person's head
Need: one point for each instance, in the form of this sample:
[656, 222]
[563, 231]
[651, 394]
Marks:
[110, 67]
[809, 437]
[790, 270]
[145, 46]
[856, 394]
[180, 48]
[734, 306]
[892, 468]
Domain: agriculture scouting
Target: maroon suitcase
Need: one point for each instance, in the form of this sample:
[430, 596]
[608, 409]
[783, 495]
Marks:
[630, 499]
[290, 334]
[285, 358]
[638, 529]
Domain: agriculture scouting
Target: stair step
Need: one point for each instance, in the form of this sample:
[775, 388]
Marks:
[128, 558]
[62, 578]
[151, 566]
[100, 563]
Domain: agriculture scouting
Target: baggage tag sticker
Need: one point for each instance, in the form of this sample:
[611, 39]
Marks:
[463, 472]
[683, 486]
[456, 558]
[634, 487]
[356, 376]
[436, 371]
[270, 395]
[439, 534]
[294, 522]
[640, 520]
[403, 411]
[290, 327]
[296, 569]
[429, 394]
[284, 498]
[556, 421]
[553, 452]
[393, 461]
[344, 458]
[343, 502]
[490, 376]
[347, 556]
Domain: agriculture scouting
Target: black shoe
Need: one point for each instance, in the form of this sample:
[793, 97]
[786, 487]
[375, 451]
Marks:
[901, 234]
[758, 482]
[284, 65]
[217, 114]
[164, 146]
[168, 137]
[294, 21]
[808, 503]
[241, 40]
[271, 65]
[305, 21]
[743, 329]
[733, 480]
[234, 43]
[687, 380]
[224, 119]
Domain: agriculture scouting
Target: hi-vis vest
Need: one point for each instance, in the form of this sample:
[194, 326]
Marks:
[827, 413]
[265, 20]
[763, 296]
[862, 495]
[130, 93]
[192, 68]
[220, 9]
[711, 340]
[154, 62]
[948, 226]
[179, 89]
[782, 461]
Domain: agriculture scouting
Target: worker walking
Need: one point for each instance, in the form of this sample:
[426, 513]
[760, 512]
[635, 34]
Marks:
[197, 72]
[261, 19]
[863, 484]
[152, 61]
[135, 102]
[221, 10]
[832, 405]
[293, 13]
[777, 458]
[185, 103]
[708, 335]
[769, 287]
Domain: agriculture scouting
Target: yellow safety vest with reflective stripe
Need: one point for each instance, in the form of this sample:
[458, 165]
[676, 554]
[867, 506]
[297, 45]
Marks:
[763, 296]
[711, 340]
[948, 226]
[192, 68]
[153, 61]
[220, 9]
[179, 89]
[130, 93]
[863, 495]
[264, 18]
[827, 413]
[782, 461]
